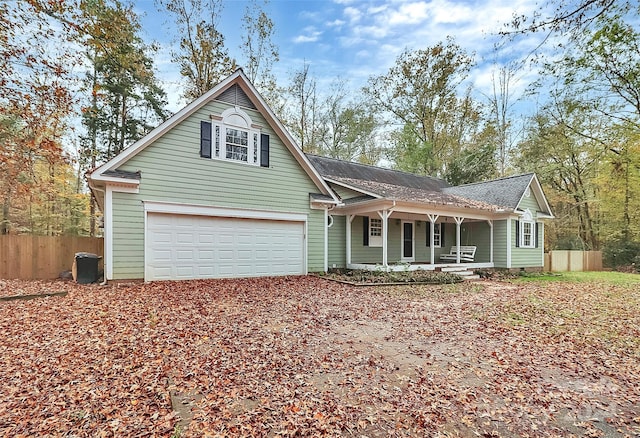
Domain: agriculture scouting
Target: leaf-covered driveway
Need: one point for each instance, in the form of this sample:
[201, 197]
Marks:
[307, 357]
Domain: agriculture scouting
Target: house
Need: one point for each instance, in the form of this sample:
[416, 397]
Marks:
[222, 190]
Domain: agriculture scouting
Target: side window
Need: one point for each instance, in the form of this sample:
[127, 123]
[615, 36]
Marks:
[437, 235]
[375, 232]
[526, 231]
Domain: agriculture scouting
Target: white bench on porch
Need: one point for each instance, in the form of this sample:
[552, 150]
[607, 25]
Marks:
[467, 254]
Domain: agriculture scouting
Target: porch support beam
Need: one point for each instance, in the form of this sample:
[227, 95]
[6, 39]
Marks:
[349, 219]
[384, 215]
[432, 218]
[490, 222]
[459, 221]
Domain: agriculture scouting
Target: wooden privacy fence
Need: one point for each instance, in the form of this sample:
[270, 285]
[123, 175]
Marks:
[565, 260]
[43, 257]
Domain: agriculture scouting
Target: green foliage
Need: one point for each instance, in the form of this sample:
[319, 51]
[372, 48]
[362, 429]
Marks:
[620, 253]
[259, 50]
[203, 58]
[472, 165]
[421, 93]
[382, 276]
[124, 100]
[564, 145]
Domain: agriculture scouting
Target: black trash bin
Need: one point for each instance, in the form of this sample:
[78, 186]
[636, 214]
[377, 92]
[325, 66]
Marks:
[85, 267]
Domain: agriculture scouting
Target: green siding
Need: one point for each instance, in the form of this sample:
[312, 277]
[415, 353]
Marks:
[423, 252]
[373, 254]
[337, 239]
[173, 171]
[345, 193]
[530, 203]
[526, 257]
[477, 234]
[500, 244]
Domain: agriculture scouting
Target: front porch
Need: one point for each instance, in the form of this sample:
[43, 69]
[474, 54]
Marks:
[402, 238]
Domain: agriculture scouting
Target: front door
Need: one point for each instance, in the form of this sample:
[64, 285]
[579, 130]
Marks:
[407, 242]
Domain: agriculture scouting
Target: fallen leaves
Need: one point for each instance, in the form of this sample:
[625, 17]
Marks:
[304, 356]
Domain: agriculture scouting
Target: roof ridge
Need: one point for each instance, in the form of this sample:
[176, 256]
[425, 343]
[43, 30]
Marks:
[374, 166]
[494, 180]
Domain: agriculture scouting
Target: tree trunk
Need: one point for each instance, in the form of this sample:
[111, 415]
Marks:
[5, 224]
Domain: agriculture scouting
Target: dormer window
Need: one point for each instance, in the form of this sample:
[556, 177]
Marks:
[235, 138]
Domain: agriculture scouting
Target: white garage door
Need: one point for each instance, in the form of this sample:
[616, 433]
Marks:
[186, 247]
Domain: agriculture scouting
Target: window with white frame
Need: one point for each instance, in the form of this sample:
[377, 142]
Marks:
[236, 138]
[375, 232]
[527, 234]
[237, 144]
[436, 235]
[527, 230]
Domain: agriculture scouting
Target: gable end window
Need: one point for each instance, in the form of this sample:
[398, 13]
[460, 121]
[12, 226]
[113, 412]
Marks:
[232, 136]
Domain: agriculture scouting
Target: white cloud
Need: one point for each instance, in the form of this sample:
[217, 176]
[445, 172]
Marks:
[310, 35]
[352, 14]
[336, 23]
[409, 13]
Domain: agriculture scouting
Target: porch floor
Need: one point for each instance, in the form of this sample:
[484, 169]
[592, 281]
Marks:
[425, 266]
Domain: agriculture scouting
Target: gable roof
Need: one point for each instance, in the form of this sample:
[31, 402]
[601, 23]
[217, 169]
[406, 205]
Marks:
[228, 89]
[503, 194]
[413, 194]
[506, 192]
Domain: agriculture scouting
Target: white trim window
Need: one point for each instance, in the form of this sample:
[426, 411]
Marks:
[237, 145]
[375, 231]
[527, 225]
[236, 138]
[437, 235]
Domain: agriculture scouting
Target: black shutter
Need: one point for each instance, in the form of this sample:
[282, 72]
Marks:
[442, 235]
[365, 230]
[428, 233]
[517, 234]
[264, 150]
[537, 234]
[205, 139]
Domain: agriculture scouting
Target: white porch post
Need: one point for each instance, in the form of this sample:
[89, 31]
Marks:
[432, 218]
[458, 223]
[509, 243]
[349, 219]
[326, 239]
[490, 222]
[384, 215]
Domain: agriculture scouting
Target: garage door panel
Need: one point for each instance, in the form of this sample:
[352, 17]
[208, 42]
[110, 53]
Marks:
[181, 247]
[206, 254]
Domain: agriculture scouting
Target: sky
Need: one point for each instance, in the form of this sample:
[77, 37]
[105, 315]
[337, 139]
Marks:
[355, 39]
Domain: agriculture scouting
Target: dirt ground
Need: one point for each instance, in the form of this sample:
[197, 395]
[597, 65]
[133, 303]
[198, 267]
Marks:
[302, 356]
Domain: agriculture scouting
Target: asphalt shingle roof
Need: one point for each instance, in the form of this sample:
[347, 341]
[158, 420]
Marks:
[504, 192]
[122, 174]
[411, 194]
[331, 167]
[393, 184]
